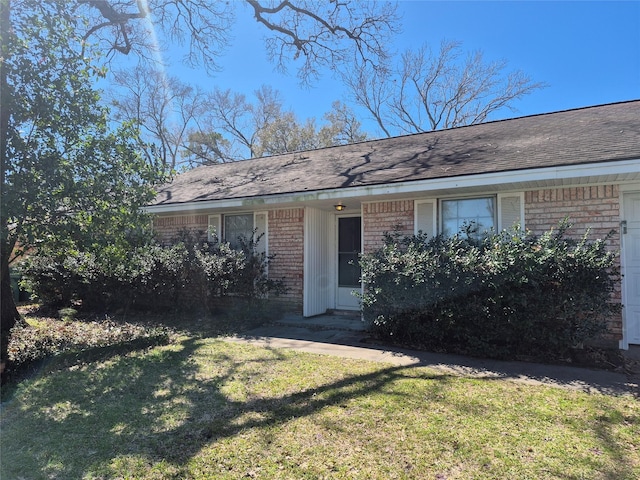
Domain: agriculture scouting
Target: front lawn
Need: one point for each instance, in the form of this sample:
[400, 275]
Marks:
[204, 408]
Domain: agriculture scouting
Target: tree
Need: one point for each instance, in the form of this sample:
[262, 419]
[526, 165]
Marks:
[165, 110]
[253, 129]
[307, 33]
[264, 127]
[342, 127]
[206, 149]
[319, 34]
[434, 91]
[182, 127]
[68, 180]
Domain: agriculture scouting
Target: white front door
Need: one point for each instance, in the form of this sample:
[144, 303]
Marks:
[348, 271]
[631, 263]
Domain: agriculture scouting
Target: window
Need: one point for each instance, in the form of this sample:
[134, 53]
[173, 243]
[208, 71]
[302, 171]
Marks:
[231, 227]
[236, 228]
[449, 215]
[478, 213]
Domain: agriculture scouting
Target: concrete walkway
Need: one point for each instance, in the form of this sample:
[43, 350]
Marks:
[346, 336]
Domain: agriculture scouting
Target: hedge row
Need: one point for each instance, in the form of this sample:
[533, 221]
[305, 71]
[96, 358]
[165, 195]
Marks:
[503, 295]
[151, 277]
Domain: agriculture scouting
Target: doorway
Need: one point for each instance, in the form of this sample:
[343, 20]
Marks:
[349, 244]
[631, 261]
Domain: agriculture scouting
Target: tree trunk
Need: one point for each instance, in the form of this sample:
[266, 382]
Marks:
[8, 312]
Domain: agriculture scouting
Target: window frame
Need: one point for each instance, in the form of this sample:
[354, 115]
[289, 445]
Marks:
[260, 222]
[234, 243]
[441, 219]
[509, 210]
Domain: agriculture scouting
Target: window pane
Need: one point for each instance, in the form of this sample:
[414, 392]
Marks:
[349, 235]
[348, 270]
[478, 212]
[236, 227]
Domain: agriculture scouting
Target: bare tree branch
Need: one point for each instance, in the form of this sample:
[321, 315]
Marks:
[164, 109]
[433, 91]
[324, 34]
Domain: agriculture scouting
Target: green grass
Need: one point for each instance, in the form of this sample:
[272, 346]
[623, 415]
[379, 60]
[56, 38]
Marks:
[205, 408]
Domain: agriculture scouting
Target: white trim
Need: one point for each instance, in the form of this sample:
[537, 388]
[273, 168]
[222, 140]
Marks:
[490, 180]
[629, 188]
[500, 196]
[624, 342]
[265, 237]
[434, 206]
[214, 222]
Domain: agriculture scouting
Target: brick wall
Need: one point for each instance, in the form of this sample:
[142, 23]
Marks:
[596, 208]
[286, 242]
[380, 217]
[167, 228]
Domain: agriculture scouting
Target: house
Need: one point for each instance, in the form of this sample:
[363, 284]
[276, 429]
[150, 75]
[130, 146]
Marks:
[319, 208]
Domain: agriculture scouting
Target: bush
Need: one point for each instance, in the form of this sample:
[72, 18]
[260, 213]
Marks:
[185, 275]
[44, 337]
[503, 295]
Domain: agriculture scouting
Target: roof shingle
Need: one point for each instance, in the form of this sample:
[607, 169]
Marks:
[573, 137]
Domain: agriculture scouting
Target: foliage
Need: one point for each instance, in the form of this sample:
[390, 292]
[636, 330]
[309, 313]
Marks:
[41, 337]
[504, 295]
[70, 179]
[184, 275]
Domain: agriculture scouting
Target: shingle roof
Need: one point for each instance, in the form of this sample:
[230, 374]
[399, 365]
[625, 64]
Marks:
[573, 137]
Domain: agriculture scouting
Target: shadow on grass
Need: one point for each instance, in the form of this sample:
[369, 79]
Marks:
[155, 406]
[235, 317]
[162, 407]
[76, 357]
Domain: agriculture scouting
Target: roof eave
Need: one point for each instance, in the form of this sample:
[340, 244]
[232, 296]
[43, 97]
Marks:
[560, 175]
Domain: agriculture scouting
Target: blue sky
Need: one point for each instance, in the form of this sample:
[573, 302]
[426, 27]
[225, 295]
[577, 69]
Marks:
[588, 53]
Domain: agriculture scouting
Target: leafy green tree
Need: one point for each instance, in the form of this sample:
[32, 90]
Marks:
[68, 180]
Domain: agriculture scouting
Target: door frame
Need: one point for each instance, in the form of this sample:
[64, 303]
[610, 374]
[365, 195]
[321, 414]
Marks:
[338, 306]
[624, 190]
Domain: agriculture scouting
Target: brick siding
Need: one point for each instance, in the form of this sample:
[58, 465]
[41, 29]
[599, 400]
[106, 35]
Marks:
[380, 217]
[596, 208]
[286, 242]
[167, 228]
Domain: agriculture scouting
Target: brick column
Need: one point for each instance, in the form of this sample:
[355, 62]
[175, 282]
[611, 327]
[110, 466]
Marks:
[286, 242]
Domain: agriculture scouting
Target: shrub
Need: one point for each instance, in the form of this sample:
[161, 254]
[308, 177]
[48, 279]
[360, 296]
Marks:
[502, 295]
[184, 275]
[44, 337]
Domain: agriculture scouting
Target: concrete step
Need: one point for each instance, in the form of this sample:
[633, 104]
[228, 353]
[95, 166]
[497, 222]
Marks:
[341, 322]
